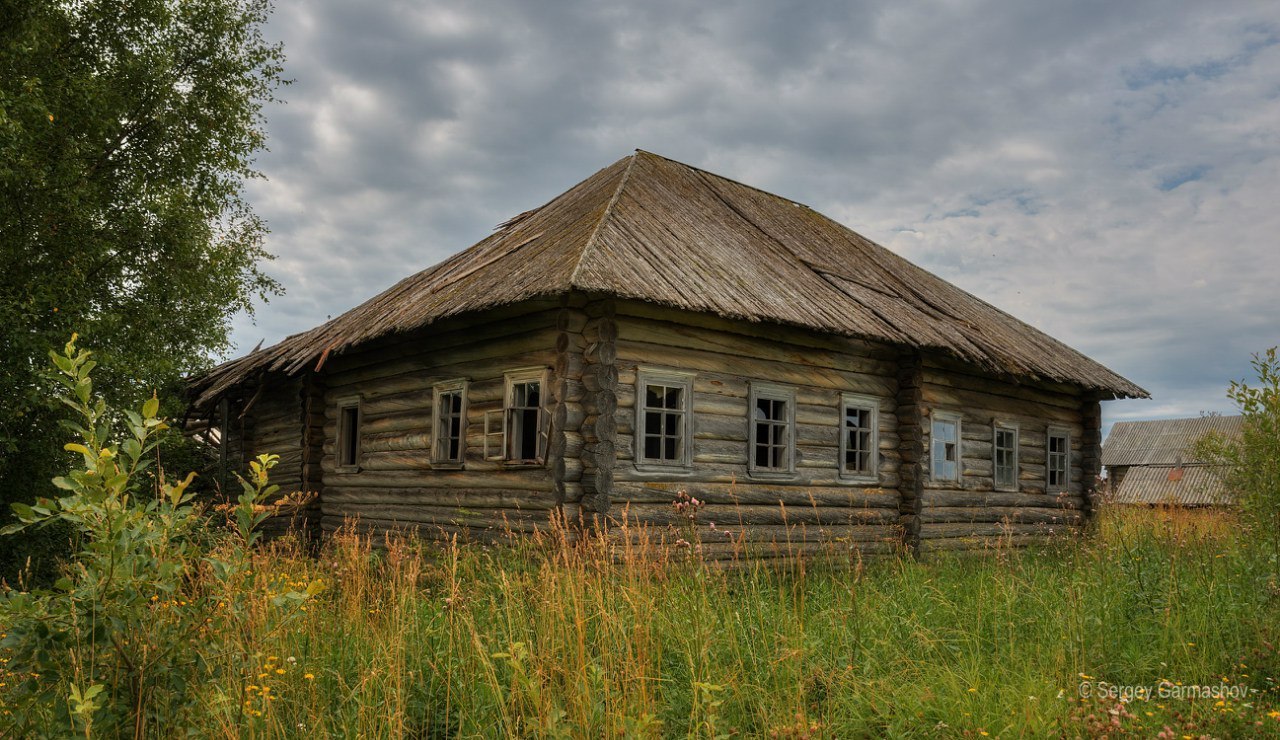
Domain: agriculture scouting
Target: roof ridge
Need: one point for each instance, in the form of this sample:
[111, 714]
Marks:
[595, 233]
[722, 177]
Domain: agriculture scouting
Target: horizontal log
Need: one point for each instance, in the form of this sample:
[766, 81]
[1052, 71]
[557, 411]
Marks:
[953, 544]
[438, 340]
[758, 494]
[685, 336]
[646, 353]
[775, 333]
[951, 498]
[518, 479]
[1001, 514]
[727, 537]
[964, 377]
[475, 498]
[751, 514]
[931, 531]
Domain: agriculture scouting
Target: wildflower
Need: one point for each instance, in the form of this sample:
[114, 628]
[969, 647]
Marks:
[309, 676]
[291, 659]
[279, 671]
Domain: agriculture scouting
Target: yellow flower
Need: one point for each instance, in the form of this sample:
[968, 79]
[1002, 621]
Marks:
[279, 671]
[309, 677]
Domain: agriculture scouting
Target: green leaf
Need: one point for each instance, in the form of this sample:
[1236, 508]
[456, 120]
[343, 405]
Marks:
[151, 408]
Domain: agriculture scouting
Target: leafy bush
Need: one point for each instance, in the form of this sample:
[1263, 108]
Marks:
[129, 630]
[1253, 460]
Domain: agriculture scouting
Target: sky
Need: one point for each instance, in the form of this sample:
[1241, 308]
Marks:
[1108, 172]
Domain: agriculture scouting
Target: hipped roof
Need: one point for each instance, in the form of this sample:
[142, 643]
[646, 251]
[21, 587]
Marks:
[652, 229]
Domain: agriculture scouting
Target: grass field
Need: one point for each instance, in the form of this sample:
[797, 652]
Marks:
[535, 640]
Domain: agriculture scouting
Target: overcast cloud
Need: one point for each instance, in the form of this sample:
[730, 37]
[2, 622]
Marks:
[1108, 172]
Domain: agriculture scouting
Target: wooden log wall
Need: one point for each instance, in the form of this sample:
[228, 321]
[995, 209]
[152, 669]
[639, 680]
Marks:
[971, 513]
[599, 427]
[396, 486]
[725, 357]
[1091, 451]
[912, 449]
[273, 419]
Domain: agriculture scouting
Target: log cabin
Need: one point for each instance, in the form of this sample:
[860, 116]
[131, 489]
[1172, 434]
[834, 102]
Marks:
[658, 330]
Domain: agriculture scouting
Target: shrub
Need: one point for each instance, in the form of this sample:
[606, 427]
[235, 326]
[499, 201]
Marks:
[130, 629]
[1253, 460]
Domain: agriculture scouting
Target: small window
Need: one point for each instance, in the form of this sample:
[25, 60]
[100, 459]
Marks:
[525, 436]
[349, 434]
[859, 438]
[772, 434]
[945, 443]
[450, 423]
[1004, 457]
[664, 418]
[1058, 449]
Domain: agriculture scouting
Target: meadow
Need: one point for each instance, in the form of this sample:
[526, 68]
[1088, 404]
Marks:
[535, 638]
[168, 622]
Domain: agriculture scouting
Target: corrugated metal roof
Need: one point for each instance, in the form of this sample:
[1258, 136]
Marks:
[655, 230]
[1162, 441]
[1198, 485]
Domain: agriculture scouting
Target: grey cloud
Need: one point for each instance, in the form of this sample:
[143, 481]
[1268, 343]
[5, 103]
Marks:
[1105, 171]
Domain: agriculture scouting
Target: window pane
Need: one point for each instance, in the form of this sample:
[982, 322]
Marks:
[652, 447]
[672, 426]
[652, 422]
[762, 455]
[350, 435]
[653, 396]
[672, 451]
[529, 434]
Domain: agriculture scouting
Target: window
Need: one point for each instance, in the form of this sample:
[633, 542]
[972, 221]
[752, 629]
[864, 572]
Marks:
[664, 417]
[1004, 456]
[859, 438]
[1058, 449]
[525, 436]
[945, 443]
[349, 433]
[772, 432]
[450, 423]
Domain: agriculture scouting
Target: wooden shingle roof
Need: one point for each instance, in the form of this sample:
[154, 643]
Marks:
[652, 229]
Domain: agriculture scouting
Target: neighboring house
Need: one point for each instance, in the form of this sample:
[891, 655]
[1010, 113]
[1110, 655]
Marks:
[658, 328]
[1153, 462]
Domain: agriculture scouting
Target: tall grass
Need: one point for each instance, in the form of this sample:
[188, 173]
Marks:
[537, 638]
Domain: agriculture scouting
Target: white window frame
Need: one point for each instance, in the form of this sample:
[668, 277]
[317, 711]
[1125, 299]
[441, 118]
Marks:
[1065, 434]
[772, 392]
[864, 403]
[439, 455]
[998, 426]
[645, 377]
[353, 465]
[946, 417]
[512, 378]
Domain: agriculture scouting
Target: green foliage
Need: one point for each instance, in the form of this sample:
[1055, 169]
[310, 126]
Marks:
[127, 131]
[1253, 461]
[127, 632]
